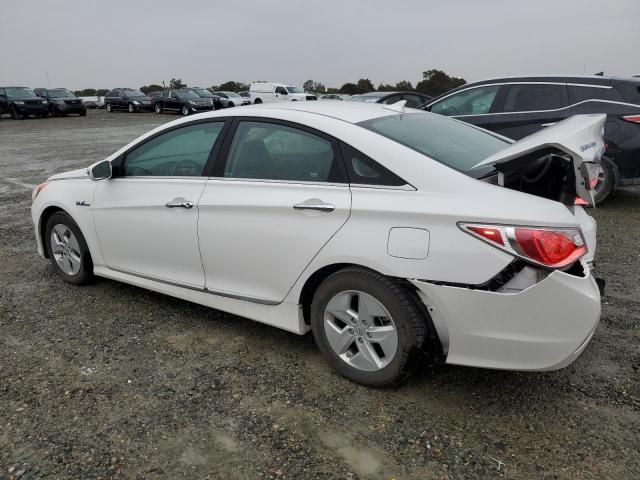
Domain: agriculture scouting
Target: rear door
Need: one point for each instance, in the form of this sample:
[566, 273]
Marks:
[525, 108]
[272, 205]
[473, 105]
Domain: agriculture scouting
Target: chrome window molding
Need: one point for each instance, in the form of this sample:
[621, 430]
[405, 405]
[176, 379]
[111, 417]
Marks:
[552, 110]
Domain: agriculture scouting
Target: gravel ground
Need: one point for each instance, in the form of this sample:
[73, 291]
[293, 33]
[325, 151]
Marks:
[112, 381]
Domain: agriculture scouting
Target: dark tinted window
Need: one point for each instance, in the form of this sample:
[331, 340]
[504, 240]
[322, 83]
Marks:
[363, 170]
[531, 97]
[630, 89]
[270, 151]
[456, 144]
[413, 100]
[177, 153]
[580, 94]
[474, 101]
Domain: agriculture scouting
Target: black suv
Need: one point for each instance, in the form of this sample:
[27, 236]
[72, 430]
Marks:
[20, 102]
[61, 101]
[128, 99]
[517, 107]
[183, 101]
[205, 93]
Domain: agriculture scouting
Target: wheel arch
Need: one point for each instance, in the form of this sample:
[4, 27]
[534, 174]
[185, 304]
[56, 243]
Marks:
[42, 224]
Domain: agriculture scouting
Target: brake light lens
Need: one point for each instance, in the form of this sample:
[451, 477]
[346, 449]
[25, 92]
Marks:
[546, 246]
[632, 118]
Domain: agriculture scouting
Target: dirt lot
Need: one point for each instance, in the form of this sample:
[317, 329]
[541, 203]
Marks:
[111, 381]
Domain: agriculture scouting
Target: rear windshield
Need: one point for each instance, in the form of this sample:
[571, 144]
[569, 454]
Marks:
[448, 141]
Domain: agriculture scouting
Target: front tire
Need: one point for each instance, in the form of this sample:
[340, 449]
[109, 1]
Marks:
[109, 108]
[131, 108]
[67, 250]
[185, 110]
[157, 108]
[14, 113]
[368, 327]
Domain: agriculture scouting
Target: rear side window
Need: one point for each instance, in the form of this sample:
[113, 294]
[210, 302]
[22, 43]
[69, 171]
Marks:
[271, 151]
[580, 94]
[630, 90]
[533, 97]
[362, 170]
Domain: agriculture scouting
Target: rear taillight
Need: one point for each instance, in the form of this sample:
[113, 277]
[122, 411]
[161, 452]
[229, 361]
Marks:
[546, 246]
[632, 118]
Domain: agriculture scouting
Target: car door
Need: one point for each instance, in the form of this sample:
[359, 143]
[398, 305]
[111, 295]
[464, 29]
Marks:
[281, 94]
[526, 108]
[473, 105]
[146, 215]
[271, 206]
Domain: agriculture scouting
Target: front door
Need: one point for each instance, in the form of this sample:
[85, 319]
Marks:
[473, 105]
[146, 216]
[275, 202]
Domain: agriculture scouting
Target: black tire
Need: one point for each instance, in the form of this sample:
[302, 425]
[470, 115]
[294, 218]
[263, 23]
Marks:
[399, 301]
[258, 101]
[14, 113]
[609, 184]
[131, 108]
[231, 104]
[83, 113]
[157, 108]
[185, 110]
[85, 274]
[108, 107]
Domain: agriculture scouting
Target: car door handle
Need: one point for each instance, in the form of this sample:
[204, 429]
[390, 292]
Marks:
[179, 203]
[323, 207]
[548, 124]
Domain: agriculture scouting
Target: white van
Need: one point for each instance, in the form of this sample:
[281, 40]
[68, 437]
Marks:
[265, 92]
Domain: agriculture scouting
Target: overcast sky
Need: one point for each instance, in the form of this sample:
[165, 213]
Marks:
[104, 44]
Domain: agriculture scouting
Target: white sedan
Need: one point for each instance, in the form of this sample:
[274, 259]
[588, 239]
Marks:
[394, 235]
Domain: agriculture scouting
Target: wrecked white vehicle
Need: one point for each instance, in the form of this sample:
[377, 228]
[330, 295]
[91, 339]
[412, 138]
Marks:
[387, 232]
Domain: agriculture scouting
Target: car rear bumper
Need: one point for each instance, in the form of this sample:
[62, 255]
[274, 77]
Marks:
[543, 327]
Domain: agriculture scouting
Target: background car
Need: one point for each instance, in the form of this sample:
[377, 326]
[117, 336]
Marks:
[365, 225]
[128, 99]
[245, 94]
[519, 106]
[331, 96]
[206, 93]
[184, 101]
[414, 99]
[20, 102]
[231, 99]
[62, 101]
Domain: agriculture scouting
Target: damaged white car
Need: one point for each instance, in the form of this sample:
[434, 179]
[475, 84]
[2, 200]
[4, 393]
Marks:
[394, 235]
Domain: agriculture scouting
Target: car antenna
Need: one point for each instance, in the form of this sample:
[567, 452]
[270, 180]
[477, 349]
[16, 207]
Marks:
[397, 107]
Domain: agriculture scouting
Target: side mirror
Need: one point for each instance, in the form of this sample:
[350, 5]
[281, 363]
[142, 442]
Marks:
[100, 170]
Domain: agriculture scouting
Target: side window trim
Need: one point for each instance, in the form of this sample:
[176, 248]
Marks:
[217, 171]
[119, 162]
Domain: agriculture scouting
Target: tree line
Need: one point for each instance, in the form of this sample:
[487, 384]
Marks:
[434, 82]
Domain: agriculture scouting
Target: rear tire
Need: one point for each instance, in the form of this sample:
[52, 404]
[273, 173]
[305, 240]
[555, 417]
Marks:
[374, 338]
[83, 113]
[67, 250]
[607, 181]
[258, 101]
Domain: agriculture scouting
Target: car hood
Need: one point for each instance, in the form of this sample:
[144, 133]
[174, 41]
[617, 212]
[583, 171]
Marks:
[79, 173]
[579, 137]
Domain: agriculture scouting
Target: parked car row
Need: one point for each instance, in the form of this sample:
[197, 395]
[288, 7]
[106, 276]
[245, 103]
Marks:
[23, 102]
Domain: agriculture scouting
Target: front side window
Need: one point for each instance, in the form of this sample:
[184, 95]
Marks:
[177, 153]
[281, 90]
[270, 151]
[456, 144]
[532, 97]
[475, 101]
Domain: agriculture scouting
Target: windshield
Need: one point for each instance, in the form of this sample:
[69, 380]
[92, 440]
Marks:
[365, 98]
[134, 93]
[203, 92]
[231, 94]
[20, 92]
[456, 144]
[60, 93]
[294, 90]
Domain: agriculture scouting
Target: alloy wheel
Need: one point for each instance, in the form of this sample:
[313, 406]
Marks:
[66, 249]
[360, 330]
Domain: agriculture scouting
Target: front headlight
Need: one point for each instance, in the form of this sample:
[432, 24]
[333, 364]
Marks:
[44, 102]
[37, 190]
[18, 102]
[59, 102]
[193, 102]
[135, 102]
